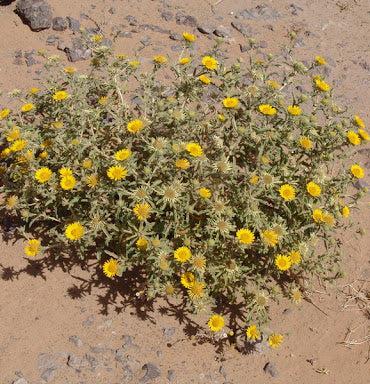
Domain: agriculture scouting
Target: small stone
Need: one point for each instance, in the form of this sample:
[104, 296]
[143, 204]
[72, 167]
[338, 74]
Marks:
[271, 369]
[73, 24]
[52, 40]
[183, 19]
[131, 20]
[76, 341]
[60, 24]
[18, 57]
[244, 29]
[206, 29]
[151, 373]
[168, 332]
[22, 380]
[175, 36]
[295, 9]
[222, 31]
[260, 12]
[46, 361]
[166, 15]
[125, 34]
[77, 363]
[145, 41]
[171, 375]
[48, 375]
[30, 60]
[77, 51]
[244, 47]
[35, 13]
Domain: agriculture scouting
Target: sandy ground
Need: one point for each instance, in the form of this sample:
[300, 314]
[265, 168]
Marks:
[63, 326]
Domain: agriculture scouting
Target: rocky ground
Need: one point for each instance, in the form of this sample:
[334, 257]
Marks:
[59, 327]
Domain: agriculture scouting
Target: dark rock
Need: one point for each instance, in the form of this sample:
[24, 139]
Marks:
[77, 51]
[6, 2]
[175, 36]
[73, 24]
[52, 40]
[260, 12]
[131, 20]
[171, 375]
[60, 24]
[244, 29]
[222, 31]
[206, 29]
[151, 373]
[166, 15]
[76, 341]
[183, 19]
[35, 13]
[271, 369]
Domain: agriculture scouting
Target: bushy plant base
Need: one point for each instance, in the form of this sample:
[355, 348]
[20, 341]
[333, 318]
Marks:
[222, 182]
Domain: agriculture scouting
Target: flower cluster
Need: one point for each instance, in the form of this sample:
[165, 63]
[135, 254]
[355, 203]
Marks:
[216, 186]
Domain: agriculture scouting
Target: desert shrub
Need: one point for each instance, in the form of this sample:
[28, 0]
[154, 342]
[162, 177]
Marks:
[221, 182]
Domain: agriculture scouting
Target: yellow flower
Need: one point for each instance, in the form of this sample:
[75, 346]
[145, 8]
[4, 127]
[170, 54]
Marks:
[34, 90]
[123, 154]
[43, 155]
[160, 59]
[359, 122]
[92, 181]
[32, 248]
[245, 236]
[353, 138]
[287, 192]
[275, 340]
[273, 84]
[254, 179]
[74, 231]
[110, 268]
[196, 291]
[135, 126]
[216, 323]
[134, 63]
[205, 79]
[267, 109]
[221, 117]
[14, 134]
[322, 85]
[283, 262]
[194, 149]
[68, 182]
[60, 95]
[230, 102]
[295, 257]
[346, 211]
[199, 262]
[253, 332]
[305, 143]
[142, 211]
[87, 163]
[270, 237]
[18, 145]
[5, 152]
[57, 124]
[189, 37]
[65, 172]
[319, 60]
[296, 296]
[328, 219]
[70, 69]
[317, 215]
[27, 107]
[43, 175]
[205, 193]
[182, 254]
[294, 110]
[97, 38]
[182, 164]
[313, 189]
[103, 100]
[364, 134]
[187, 279]
[357, 171]
[4, 113]
[121, 56]
[169, 289]
[142, 243]
[116, 172]
[11, 202]
[210, 62]
[184, 60]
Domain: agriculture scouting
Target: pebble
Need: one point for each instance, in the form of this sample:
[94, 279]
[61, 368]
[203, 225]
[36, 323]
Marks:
[131, 20]
[244, 29]
[206, 29]
[52, 40]
[73, 24]
[168, 332]
[175, 36]
[76, 341]
[171, 375]
[60, 24]
[48, 375]
[183, 19]
[151, 373]
[167, 16]
[271, 369]
[222, 31]
[36, 14]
